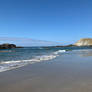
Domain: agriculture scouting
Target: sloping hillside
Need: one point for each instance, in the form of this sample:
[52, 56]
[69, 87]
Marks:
[84, 42]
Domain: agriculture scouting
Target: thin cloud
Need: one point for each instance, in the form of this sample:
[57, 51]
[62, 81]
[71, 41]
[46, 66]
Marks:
[27, 42]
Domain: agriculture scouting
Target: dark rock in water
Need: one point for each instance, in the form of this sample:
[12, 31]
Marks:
[71, 45]
[8, 46]
[19, 47]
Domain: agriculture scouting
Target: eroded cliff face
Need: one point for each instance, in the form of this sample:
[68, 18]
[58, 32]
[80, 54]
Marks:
[84, 42]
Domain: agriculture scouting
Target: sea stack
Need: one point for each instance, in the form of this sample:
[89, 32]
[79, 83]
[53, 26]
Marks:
[84, 42]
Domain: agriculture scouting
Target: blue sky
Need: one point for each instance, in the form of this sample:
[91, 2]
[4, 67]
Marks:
[64, 21]
[27, 42]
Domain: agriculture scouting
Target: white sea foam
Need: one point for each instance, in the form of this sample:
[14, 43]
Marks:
[59, 51]
[8, 65]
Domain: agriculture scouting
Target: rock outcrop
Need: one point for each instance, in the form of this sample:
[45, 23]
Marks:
[8, 46]
[84, 42]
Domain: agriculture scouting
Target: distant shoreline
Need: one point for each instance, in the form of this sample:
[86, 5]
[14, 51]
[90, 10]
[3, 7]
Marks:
[84, 42]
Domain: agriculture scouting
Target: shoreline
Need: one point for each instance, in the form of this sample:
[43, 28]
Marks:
[67, 73]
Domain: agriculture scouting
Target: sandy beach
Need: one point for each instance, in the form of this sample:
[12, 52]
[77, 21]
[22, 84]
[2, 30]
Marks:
[67, 73]
[45, 46]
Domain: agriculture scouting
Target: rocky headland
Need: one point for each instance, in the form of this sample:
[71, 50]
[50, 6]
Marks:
[8, 46]
[80, 43]
[84, 42]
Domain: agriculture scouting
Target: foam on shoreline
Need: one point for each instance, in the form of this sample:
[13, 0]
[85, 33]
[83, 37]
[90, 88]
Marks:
[8, 65]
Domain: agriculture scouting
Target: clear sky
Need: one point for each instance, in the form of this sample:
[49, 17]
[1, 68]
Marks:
[53, 20]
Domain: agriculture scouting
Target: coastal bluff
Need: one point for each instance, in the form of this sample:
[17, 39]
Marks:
[8, 46]
[84, 42]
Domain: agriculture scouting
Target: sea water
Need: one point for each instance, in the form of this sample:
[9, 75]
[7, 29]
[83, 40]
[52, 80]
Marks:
[18, 57]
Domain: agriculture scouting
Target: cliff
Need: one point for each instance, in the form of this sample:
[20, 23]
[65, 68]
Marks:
[84, 42]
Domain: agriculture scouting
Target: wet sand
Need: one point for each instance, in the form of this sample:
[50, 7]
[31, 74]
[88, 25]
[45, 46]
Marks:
[67, 73]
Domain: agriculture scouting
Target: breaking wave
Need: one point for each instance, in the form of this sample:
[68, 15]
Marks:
[8, 65]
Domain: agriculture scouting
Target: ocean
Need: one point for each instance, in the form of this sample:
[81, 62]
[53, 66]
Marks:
[18, 57]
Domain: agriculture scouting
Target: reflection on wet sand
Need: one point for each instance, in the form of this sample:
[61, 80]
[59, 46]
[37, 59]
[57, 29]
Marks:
[85, 53]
